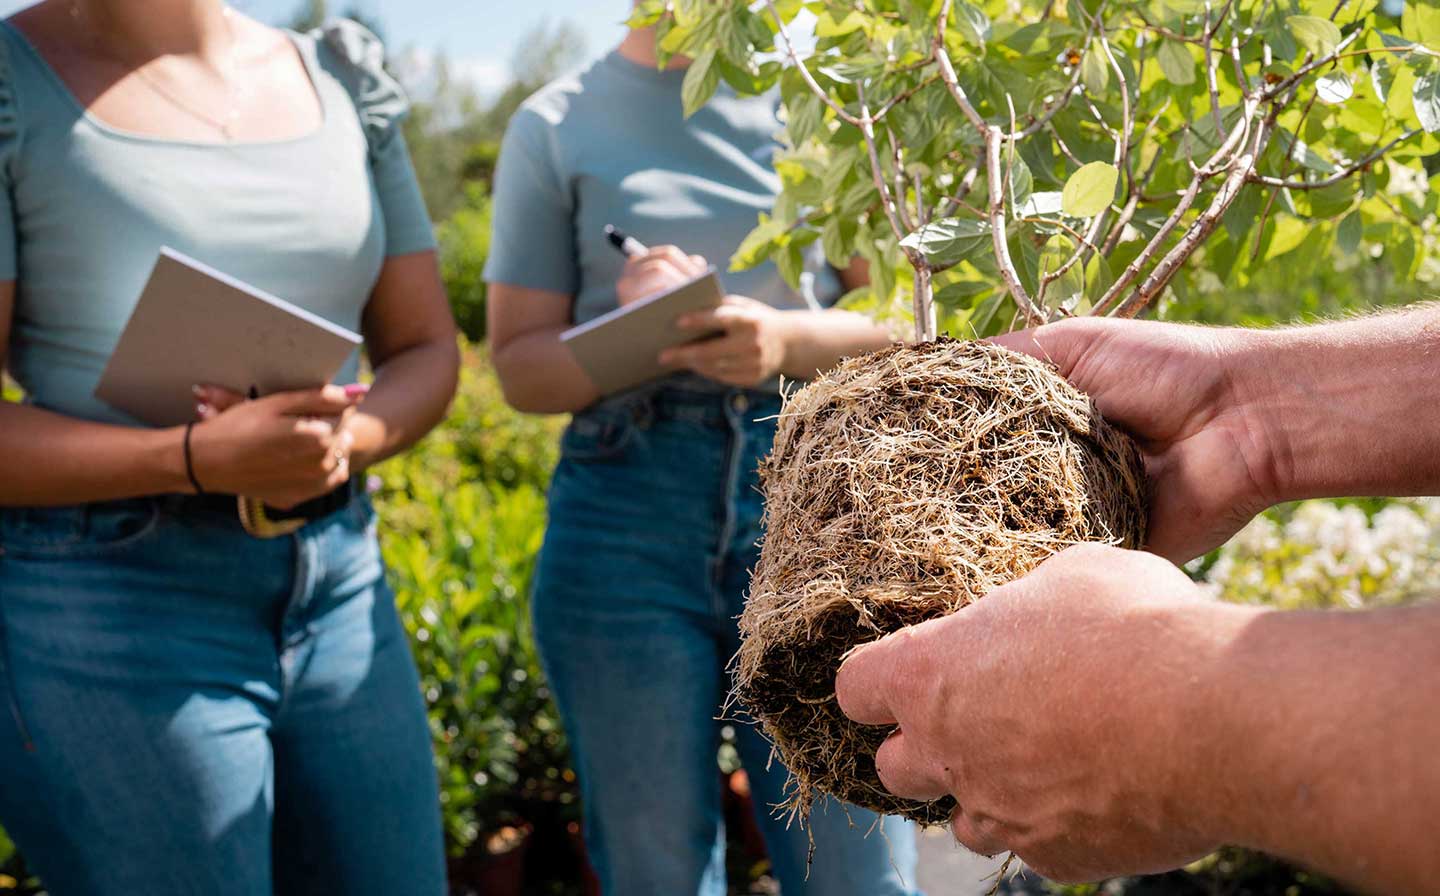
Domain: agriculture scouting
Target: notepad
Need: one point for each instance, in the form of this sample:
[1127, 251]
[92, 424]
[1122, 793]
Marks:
[196, 325]
[619, 350]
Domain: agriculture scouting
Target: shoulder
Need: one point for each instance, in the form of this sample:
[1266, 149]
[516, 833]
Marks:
[355, 56]
[564, 102]
[10, 117]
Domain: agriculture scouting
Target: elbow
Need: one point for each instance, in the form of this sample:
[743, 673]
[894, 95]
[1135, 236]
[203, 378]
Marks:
[451, 360]
[519, 398]
[513, 384]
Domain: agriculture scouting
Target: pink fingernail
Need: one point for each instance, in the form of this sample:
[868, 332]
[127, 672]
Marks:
[357, 390]
[198, 391]
[202, 410]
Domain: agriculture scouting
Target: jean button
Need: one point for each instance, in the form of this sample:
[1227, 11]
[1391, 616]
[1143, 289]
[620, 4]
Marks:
[740, 403]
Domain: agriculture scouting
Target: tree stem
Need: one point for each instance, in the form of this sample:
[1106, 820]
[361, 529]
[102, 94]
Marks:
[924, 304]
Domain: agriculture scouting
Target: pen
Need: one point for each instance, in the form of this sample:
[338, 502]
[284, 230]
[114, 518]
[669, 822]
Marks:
[627, 244]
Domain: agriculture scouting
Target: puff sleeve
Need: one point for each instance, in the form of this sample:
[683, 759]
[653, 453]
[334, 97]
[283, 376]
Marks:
[9, 149]
[358, 62]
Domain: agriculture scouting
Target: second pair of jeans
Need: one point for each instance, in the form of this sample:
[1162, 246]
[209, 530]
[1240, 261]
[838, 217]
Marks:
[655, 517]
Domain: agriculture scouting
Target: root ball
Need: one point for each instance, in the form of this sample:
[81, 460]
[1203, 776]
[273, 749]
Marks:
[902, 486]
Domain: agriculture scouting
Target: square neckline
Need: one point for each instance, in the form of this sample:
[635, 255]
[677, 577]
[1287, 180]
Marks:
[300, 43]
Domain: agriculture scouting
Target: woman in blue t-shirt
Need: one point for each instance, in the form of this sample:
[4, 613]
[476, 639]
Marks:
[654, 512]
[185, 706]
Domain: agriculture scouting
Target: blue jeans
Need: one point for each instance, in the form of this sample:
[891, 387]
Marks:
[187, 710]
[654, 519]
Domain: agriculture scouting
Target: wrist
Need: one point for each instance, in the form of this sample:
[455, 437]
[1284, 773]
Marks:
[1262, 371]
[790, 331]
[1346, 408]
[163, 462]
[1220, 721]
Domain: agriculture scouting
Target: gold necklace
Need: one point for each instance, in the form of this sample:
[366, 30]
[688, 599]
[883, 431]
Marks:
[225, 125]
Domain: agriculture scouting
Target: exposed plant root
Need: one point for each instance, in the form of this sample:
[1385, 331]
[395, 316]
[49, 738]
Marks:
[902, 486]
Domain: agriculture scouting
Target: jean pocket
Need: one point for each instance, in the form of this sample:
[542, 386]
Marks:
[78, 531]
[599, 434]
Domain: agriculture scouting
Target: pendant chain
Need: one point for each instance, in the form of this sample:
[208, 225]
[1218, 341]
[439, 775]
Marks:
[226, 124]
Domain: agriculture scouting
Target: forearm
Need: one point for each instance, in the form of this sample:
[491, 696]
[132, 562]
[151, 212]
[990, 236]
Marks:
[410, 396]
[1350, 408]
[818, 340]
[53, 460]
[1327, 727]
[539, 375]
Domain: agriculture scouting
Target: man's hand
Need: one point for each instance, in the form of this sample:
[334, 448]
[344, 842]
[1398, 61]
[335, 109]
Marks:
[662, 268]
[1184, 393]
[750, 349]
[1060, 712]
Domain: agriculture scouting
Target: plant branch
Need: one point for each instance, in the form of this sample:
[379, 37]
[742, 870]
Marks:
[993, 138]
[902, 207]
[810, 81]
[1240, 170]
[1281, 183]
[1224, 155]
[1211, 83]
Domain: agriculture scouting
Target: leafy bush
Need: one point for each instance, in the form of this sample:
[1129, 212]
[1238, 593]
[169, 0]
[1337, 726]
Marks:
[1322, 555]
[464, 239]
[463, 516]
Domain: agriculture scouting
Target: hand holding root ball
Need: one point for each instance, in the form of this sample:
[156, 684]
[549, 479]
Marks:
[1058, 710]
[1188, 395]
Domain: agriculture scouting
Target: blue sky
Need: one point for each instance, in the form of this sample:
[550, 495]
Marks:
[479, 37]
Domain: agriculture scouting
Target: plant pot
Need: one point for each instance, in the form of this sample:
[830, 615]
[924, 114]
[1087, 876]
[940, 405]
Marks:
[589, 882]
[495, 866]
[739, 807]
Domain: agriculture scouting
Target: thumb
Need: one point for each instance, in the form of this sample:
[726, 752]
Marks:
[327, 401]
[865, 682]
[1052, 343]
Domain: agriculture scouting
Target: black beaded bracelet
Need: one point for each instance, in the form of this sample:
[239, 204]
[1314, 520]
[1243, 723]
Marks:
[189, 462]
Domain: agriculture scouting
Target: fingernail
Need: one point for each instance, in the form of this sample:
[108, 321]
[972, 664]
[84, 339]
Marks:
[202, 409]
[357, 390]
[198, 391]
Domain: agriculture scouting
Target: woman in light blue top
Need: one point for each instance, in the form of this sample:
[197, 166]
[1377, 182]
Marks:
[187, 707]
[654, 510]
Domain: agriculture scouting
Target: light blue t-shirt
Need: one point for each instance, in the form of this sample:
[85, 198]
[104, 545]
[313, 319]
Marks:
[85, 208]
[611, 145]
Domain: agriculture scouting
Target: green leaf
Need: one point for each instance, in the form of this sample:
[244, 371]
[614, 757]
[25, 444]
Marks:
[701, 79]
[1176, 62]
[1427, 101]
[1421, 22]
[1021, 182]
[1042, 205]
[1065, 290]
[973, 23]
[1319, 36]
[1095, 70]
[836, 239]
[804, 115]
[1348, 234]
[758, 244]
[791, 262]
[828, 26]
[1334, 87]
[1399, 100]
[949, 241]
[1090, 190]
